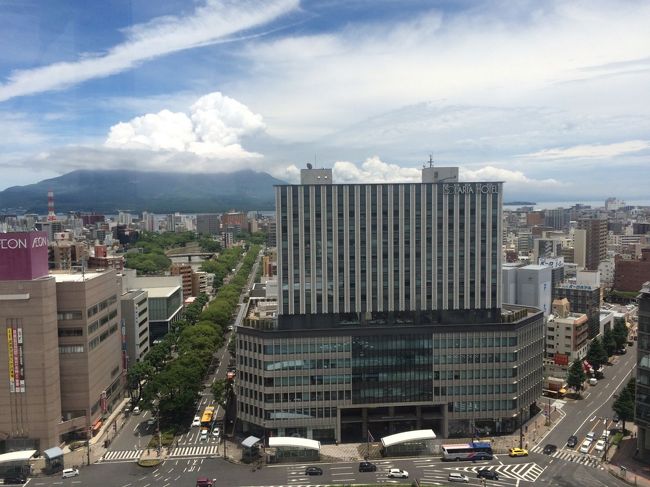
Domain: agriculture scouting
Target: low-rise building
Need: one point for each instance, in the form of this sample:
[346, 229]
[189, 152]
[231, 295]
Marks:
[567, 339]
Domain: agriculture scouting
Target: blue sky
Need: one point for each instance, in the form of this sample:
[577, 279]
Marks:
[551, 97]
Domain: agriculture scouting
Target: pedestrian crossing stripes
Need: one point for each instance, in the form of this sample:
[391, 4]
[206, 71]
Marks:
[194, 451]
[572, 456]
[122, 455]
[519, 471]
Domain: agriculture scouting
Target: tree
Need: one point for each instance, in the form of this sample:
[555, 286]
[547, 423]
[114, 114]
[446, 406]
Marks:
[138, 374]
[219, 392]
[576, 376]
[624, 406]
[596, 355]
[609, 343]
[620, 333]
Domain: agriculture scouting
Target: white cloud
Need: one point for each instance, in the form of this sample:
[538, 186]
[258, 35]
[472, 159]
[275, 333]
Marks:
[374, 170]
[593, 151]
[213, 128]
[209, 24]
[515, 179]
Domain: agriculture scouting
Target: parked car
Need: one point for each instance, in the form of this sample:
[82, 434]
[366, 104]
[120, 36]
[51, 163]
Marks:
[549, 449]
[586, 445]
[151, 421]
[196, 421]
[600, 446]
[484, 473]
[398, 473]
[15, 479]
[590, 436]
[69, 472]
[136, 410]
[367, 467]
[204, 435]
[615, 418]
[216, 432]
[314, 471]
[457, 477]
[572, 441]
[518, 452]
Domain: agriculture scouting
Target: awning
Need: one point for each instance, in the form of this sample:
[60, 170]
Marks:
[250, 441]
[54, 452]
[279, 441]
[17, 456]
[405, 437]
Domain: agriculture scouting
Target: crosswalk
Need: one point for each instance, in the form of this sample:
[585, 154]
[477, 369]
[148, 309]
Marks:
[519, 471]
[179, 452]
[572, 456]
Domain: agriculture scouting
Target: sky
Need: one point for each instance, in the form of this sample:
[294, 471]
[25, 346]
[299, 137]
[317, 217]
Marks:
[552, 97]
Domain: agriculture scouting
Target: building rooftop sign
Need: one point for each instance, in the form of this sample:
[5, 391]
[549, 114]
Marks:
[23, 256]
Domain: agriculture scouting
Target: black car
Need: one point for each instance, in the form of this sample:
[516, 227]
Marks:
[14, 479]
[314, 471]
[615, 418]
[572, 441]
[367, 467]
[484, 473]
[550, 449]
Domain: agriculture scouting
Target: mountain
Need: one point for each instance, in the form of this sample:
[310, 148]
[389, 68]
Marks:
[106, 191]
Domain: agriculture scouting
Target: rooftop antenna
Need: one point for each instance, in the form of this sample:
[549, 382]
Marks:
[430, 160]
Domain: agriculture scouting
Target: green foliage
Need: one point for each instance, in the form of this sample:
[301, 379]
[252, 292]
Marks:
[208, 244]
[148, 263]
[620, 332]
[153, 260]
[222, 265]
[596, 355]
[137, 374]
[624, 405]
[219, 392]
[576, 376]
[609, 343]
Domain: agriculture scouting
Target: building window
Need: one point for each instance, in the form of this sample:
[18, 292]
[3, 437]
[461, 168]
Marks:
[71, 332]
[71, 349]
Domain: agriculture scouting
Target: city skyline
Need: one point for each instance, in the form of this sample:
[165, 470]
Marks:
[547, 97]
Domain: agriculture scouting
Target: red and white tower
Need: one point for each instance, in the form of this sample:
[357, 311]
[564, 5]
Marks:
[51, 216]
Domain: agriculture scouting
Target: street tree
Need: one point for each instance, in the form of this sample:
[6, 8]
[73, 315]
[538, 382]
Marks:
[576, 377]
[624, 406]
[596, 355]
[609, 343]
[137, 375]
[620, 332]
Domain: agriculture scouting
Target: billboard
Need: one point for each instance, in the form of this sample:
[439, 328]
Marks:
[23, 256]
[16, 358]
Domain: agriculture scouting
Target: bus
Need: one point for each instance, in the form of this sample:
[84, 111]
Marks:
[476, 450]
[207, 418]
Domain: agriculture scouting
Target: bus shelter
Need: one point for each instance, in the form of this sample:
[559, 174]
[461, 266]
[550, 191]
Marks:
[53, 460]
[288, 448]
[16, 463]
[250, 449]
[418, 442]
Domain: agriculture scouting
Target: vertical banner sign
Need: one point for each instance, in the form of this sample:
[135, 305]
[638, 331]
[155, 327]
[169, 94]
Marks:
[21, 359]
[16, 361]
[10, 352]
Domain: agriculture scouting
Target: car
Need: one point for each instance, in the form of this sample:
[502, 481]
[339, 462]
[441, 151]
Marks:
[615, 418]
[205, 482]
[586, 445]
[605, 434]
[15, 479]
[313, 471]
[600, 446]
[230, 328]
[590, 436]
[398, 473]
[136, 410]
[151, 421]
[367, 467]
[572, 441]
[457, 477]
[69, 472]
[204, 435]
[216, 432]
[196, 421]
[549, 449]
[621, 351]
[484, 473]
[518, 452]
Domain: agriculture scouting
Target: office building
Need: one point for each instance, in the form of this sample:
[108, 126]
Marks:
[583, 293]
[390, 315]
[629, 275]
[207, 224]
[185, 273]
[595, 241]
[135, 316]
[642, 409]
[567, 339]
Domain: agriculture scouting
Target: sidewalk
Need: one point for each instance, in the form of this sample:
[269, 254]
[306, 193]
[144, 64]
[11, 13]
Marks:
[634, 472]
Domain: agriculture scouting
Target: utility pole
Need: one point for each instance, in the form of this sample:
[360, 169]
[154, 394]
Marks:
[90, 432]
[521, 428]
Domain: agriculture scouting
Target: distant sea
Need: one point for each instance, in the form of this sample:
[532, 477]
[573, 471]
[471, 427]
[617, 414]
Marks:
[547, 205]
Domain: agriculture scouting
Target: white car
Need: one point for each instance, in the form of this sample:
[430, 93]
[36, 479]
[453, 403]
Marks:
[136, 410]
[591, 435]
[586, 445]
[600, 446]
[216, 432]
[197, 421]
[69, 472]
[397, 473]
[457, 477]
[204, 435]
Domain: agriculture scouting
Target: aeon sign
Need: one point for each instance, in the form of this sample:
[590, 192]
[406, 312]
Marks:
[23, 256]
